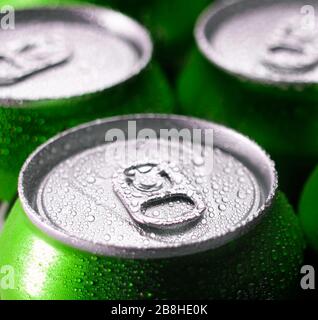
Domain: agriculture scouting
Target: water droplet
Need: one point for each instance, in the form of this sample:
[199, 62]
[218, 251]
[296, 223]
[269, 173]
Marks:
[215, 186]
[241, 194]
[241, 179]
[91, 179]
[156, 213]
[227, 170]
[198, 161]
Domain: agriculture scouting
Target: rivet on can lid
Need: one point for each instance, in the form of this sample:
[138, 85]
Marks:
[156, 184]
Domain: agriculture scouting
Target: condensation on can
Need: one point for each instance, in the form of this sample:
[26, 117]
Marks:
[150, 224]
[63, 66]
[255, 70]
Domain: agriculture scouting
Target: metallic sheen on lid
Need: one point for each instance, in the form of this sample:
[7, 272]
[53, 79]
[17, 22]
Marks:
[127, 199]
[63, 52]
[268, 41]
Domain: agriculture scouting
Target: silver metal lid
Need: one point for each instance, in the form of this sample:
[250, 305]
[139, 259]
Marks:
[69, 51]
[144, 198]
[270, 41]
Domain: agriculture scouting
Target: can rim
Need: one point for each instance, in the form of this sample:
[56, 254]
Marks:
[104, 17]
[145, 253]
[206, 49]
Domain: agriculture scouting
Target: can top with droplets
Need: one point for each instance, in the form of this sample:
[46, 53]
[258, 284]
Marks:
[88, 49]
[283, 35]
[131, 187]
[62, 66]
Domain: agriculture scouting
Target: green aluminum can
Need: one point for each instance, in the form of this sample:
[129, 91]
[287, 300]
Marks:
[64, 66]
[308, 210]
[255, 70]
[104, 215]
[18, 4]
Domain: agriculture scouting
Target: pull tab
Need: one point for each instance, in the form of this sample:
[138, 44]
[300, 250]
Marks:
[144, 188]
[26, 57]
[292, 50]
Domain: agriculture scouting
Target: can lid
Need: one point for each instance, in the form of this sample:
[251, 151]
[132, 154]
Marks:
[268, 41]
[147, 198]
[63, 52]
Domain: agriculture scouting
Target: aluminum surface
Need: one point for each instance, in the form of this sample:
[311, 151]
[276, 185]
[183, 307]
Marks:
[142, 203]
[69, 52]
[269, 41]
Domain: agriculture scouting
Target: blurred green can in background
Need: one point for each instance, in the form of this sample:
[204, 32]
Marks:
[255, 69]
[308, 211]
[170, 22]
[64, 66]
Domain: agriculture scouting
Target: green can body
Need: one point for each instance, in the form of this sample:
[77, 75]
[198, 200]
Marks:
[308, 213]
[31, 3]
[281, 119]
[262, 264]
[21, 4]
[7, 175]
